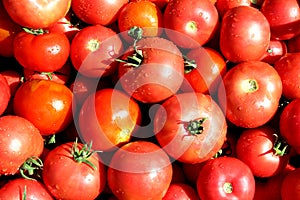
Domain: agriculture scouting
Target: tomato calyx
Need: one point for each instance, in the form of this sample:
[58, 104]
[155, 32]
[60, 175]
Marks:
[250, 85]
[82, 155]
[24, 194]
[194, 127]
[280, 147]
[191, 26]
[30, 166]
[189, 65]
[227, 187]
[35, 31]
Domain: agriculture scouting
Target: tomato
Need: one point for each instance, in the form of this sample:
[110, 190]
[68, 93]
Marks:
[139, 170]
[108, 118]
[293, 44]
[191, 23]
[225, 178]
[43, 53]
[94, 49]
[71, 167]
[284, 18]
[289, 124]
[205, 72]
[160, 3]
[252, 93]
[276, 50]
[190, 127]
[5, 94]
[244, 35]
[13, 79]
[288, 68]
[143, 14]
[157, 75]
[8, 30]
[36, 14]
[21, 188]
[102, 12]
[181, 191]
[290, 185]
[47, 104]
[224, 5]
[19, 141]
[263, 151]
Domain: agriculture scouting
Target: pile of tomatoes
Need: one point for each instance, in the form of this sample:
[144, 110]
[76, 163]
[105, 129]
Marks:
[149, 99]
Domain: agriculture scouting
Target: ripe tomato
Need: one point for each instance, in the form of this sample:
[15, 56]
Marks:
[19, 141]
[290, 185]
[276, 50]
[293, 45]
[181, 191]
[244, 35]
[73, 171]
[13, 79]
[265, 153]
[43, 53]
[47, 104]
[38, 13]
[190, 127]
[8, 30]
[5, 94]
[143, 14]
[251, 95]
[139, 170]
[225, 178]
[108, 118]
[288, 68]
[192, 23]
[160, 3]
[289, 124]
[205, 72]
[21, 188]
[102, 12]
[157, 75]
[224, 5]
[94, 49]
[283, 17]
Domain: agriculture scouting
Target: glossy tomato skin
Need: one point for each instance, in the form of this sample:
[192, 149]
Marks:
[94, 49]
[284, 18]
[191, 23]
[276, 50]
[17, 188]
[174, 121]
[102, 12]
[288, 68]
[5, 94]
[159, 75]
[65, 178]
[224, 5]
[290, 185]
[289, 124]
[43, 53]
[13, 79]
[47, 104]
[255, 147]
[225, 178]
[293, 45]
[108, 118]
[20, 140]
[244, 35]
[139, 170]
[36, 14]
[252, 93]
[181, 191]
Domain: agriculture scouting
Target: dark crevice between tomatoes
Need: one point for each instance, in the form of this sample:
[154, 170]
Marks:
[189, 65]
[35, 31]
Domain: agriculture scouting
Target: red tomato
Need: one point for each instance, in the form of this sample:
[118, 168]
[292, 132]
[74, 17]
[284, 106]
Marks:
[290, 185]
[276, 50]
[43, 53]
[181, 191]
[224, 5]
[265, 153]
[102, 12]
[160, 3]
[8, 30]
[36, 14]
[158, 74]
[190, 23]
[205, 72]
[288, 68]
[244, 35]
[21, 188]
[283, 16]
[19, 141]
[139, 170]
[289, 124]
[13, 79]
[190, 127]
[47, 104]
[225, 178]
[5, 94]
[94, 49]
[143, 14]
[74, 171]
[293, 44]
[108, 118]
[251, 95]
